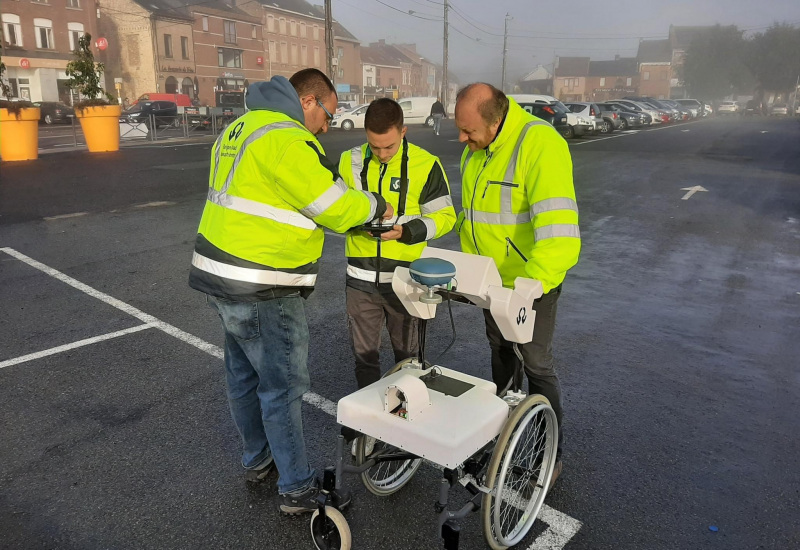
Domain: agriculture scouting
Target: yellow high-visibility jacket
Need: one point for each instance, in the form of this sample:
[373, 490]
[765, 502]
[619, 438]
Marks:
[270, 189]
[423, 206]
[519, 202]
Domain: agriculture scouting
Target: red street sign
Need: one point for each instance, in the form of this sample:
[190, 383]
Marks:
[24, 63]
[101, 43]
[259, 60]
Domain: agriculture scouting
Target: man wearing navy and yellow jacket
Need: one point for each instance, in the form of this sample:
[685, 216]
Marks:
[413, 179]
[271, 190]
[519, 209]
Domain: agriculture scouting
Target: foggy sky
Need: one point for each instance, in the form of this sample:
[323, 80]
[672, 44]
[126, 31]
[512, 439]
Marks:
[544, 29]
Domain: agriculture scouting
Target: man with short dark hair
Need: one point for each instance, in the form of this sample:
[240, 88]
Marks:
[413, 179]
[519, 209]
[438, 112]
[271, 189]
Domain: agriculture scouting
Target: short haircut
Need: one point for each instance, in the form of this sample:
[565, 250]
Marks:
[492, 108]
[382, 115]
[312, 82]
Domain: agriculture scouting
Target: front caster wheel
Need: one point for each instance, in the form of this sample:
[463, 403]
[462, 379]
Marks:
[332, 532]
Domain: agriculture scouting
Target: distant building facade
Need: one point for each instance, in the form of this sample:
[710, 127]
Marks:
[569, 78]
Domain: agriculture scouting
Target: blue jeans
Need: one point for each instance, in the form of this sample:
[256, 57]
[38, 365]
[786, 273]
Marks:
[266, 354]
[437, 122]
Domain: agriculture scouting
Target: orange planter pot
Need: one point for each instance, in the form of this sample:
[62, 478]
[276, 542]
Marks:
[100, 125]
[19, 137]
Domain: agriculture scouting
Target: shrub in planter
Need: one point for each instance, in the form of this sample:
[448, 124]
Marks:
[19, 125]
[98, 115]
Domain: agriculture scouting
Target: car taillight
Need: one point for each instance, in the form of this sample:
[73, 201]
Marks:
[58, 111]
[591, 111]
[614, 115]
[548, 110]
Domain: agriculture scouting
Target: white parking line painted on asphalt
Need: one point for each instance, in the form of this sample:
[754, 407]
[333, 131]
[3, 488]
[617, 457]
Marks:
[599, 139]
[154, 204]
[561, 527]
[73, 345]
[65, 216]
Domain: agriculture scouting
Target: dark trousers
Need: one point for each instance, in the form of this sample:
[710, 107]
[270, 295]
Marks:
[366, 314]
[538, 355]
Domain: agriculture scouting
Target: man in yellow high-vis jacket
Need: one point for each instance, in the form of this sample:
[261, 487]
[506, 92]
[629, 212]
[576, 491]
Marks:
[519, 209]
[413, 179]
[271, 188]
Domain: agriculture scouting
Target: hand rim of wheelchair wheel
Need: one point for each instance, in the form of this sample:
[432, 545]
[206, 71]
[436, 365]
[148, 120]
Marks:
[386, 478]
[335, 535]
[507, 442]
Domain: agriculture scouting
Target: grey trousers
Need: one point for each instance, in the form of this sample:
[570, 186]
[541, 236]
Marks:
[538, 355]
[366, 314]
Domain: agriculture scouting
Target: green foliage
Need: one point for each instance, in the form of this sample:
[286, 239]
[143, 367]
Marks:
[714, 66]
[84, 75]
[4, 88]
[14, 107]
[775, 57]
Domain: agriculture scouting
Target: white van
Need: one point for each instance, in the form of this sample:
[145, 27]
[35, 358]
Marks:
[417, 110]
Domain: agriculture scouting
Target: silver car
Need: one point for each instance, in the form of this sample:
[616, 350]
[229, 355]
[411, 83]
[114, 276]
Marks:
[592, 112]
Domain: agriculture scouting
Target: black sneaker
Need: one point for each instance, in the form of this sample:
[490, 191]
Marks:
[306, 501]
[259, 474]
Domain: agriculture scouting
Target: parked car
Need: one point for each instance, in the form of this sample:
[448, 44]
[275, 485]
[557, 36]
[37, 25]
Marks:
[612, 115]
[644, 118]
[554, 113]
[54, 111]
[578, 125]
[728, 108]
[684, 112]
[627, 119]
[165, 113]
[178, 99]
[655, 116]
[592, 112]
[348, 120]
[779, 109]
[344, 106]
[694, 106]
[752, 107]
[667, 113]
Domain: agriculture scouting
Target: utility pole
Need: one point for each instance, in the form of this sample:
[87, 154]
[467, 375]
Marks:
[444, 56]
[505, 51]
[329, 40]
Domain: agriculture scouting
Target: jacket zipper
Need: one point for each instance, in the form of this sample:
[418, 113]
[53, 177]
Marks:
[503, 183]
[472, 202]
[378, 258]
[510, 244]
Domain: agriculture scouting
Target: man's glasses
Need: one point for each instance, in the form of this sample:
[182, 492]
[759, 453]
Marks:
[327, 112]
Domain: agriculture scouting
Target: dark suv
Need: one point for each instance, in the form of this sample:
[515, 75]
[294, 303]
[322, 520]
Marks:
[54, 111]
[554, 113]
[165, 113]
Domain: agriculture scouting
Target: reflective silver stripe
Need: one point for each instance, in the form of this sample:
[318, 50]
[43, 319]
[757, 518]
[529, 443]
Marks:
[466, 161]
[506, 192]
[367, 275]
[556, 203]
[254, 208]
[436, 204]
[255, 276]
[373, 206]
[431, 226]
[217, 147]
[497, 219]
[250, 139]
[357, 163]
[407, 218]
[326, 200]
[556, 230]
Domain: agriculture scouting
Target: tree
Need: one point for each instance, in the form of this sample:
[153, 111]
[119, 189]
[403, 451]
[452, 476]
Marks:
[84, 74]
[774, 57]
[715, 66]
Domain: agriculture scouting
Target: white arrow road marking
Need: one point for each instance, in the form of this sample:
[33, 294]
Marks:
[561, 527]
[764, 131]
[685, 130]
[692, 191]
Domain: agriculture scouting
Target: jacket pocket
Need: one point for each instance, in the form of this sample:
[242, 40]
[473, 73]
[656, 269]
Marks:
[510, 184]
[240, 319]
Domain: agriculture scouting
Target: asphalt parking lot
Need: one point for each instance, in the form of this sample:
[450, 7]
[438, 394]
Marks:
[676, 344]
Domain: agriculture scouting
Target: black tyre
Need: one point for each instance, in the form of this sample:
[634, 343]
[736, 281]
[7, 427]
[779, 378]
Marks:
[624, 125]
[331, 534]
[347, 125]
[568, 132]
[605, 127]
[429, 122]
[48, 119]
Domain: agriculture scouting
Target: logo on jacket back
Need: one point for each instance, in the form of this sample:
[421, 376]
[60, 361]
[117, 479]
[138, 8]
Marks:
[236, 132]
[394, 185]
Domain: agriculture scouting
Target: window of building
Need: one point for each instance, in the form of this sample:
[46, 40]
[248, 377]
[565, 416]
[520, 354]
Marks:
[340, 52]
[316, 56]
[369, 81]
[205, 23]
[304, 55]
[229, 57]
[284, 52]
[168, 45]
[74, 4]
[184, 47]
[293, 27]
[602, 81]
[294, 54]
[12, 30]
[341, 73]
[281, 26]
[44, 33]
[629, 82]
[646, 75]
[253, 32]
[273, 51]
[405, 78]
[270, 23]
[75, 31]
[315, 33]
[230, 31]
[302, 30]
[23, 88]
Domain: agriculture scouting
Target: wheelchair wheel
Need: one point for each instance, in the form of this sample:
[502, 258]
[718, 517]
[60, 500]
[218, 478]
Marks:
[331, 534]
[386, 478]
[519, 472]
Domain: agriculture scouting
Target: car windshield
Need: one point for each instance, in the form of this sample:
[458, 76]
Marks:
[139, 106]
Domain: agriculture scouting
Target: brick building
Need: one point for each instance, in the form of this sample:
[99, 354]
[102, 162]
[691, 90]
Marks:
[569, 78]
[655, 60]
[381, 72]
[38, 39]
[424, 77]
[612, 79]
